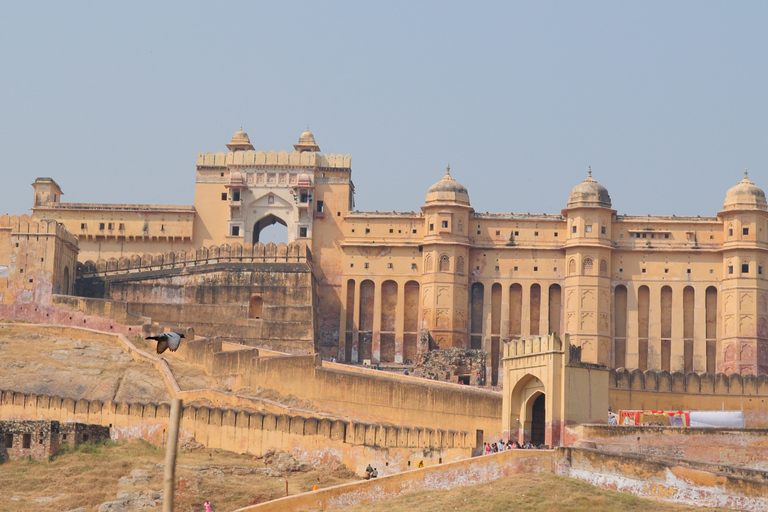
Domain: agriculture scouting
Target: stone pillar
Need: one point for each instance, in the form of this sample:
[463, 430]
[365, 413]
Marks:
[654, 327]
[376, 338]
[677, 352]
[399, 322]
[341, 349]
[633, 359]
[356, 324]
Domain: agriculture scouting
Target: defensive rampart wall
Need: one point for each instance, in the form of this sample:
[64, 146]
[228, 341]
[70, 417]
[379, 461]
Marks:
[660, 390]
[317, 440]
[264, 295]
[370, 395]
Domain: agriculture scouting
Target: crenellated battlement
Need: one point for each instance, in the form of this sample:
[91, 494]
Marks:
[273, 158]
[25, 225]
[690, 383]
[535, 345]
[295, 252]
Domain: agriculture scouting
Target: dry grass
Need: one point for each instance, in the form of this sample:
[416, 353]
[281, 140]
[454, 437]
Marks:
[524, 493]
[91, 476]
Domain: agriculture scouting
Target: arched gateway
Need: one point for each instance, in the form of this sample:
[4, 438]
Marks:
[545, 389]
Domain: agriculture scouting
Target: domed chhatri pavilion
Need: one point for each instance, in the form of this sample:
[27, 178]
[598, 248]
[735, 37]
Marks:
[649, 292]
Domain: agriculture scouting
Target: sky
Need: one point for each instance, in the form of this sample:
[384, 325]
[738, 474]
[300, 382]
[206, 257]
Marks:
[666, 101]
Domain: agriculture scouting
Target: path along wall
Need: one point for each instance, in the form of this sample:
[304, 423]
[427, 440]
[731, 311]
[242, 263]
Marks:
[660, 390]
[367, 394]
[478, 470]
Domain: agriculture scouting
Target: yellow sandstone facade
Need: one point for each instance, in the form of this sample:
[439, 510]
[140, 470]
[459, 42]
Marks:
[649, 292]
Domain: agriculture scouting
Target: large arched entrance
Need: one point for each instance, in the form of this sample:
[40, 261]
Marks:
[538, 421]
[270, 229]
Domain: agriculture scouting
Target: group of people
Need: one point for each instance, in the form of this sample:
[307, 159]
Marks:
[500, 446]
[370, 473]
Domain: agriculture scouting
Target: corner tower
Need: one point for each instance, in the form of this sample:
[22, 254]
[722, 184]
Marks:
[445, 250]
[744, 305]
[588, 250]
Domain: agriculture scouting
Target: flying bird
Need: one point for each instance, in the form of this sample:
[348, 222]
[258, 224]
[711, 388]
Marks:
[167, 340]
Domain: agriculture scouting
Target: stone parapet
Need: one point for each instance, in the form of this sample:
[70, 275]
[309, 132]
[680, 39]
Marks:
[273, 158]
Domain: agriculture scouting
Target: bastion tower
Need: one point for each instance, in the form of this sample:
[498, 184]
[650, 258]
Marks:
[744, 289]
[587, 287]
[446, 252]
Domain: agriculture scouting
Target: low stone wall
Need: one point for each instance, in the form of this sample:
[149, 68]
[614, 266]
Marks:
[478, 470]
[713, 445]
[686, 482]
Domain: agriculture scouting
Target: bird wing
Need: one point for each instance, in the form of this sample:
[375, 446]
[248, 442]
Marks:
[174, 340]
[162, 344]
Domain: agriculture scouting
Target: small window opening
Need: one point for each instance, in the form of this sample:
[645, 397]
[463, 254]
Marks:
[391, 230]
[9, 440]
[745, 268]
[666, 271]
[535, 269]
[101, 225]
[366, 265]
[255, 307]
[413, 266]
[643, 271]
[26, 440]
[588, 228]
[744, 231]
[320, 206]
[666, 235]
[304, 197]
[302, 232]
[445, 224]
[367, 230]
[573, 229]
[602, 230]
[223, 196]
[535, 233]
[730, 269]
[235, 230]
[82, 225]
[431, 227]
[414, 231]
[730, 232]
[498, 233]
[389, 265]
[235, 195]
[514, 269]
[121, 227]
[759, 270]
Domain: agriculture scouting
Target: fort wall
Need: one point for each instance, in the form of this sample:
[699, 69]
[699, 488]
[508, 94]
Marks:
[686, 482]
[475, 471]
[732, 446]
[318, 440]
[660, 390]
[368, 394]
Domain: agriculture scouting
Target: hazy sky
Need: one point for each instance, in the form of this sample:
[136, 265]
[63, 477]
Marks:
[665, 100]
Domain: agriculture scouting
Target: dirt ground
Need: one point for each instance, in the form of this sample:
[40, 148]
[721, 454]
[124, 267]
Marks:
[129, 477]
[84, 367]
[526, 493]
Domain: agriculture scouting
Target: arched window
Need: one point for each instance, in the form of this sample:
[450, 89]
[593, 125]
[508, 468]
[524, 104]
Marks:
[460, 265]
[603, 267]
[428, 263]
[255, 306]
[588, 266]
[572, 267]
[445, 263]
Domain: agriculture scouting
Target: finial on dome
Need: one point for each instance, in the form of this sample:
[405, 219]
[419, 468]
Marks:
[589, 171]
[746, 174]
[448, 170]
